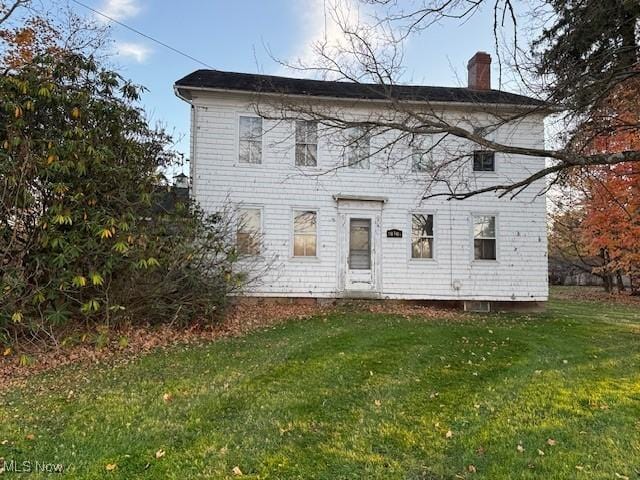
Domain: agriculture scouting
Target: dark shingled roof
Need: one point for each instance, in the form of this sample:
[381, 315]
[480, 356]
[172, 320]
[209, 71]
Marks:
[249, 82]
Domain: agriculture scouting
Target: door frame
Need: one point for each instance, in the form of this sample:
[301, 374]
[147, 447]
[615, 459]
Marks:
[364, 209]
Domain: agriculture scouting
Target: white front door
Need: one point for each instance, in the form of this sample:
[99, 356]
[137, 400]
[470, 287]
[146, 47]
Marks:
[360, 251]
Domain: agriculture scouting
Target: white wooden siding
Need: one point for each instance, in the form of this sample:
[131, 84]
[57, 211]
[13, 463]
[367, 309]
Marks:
[519, 273]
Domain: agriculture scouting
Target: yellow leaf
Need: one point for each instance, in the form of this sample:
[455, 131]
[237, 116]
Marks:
[160, 453]
[7, 352]
[75, 113]
[520, 448]
[471, 469]
[449, 434]
[551, 442]
[16, 317]
[236, 471]
[96, 278]
[106, 233]
[167, 397]
[110, 467]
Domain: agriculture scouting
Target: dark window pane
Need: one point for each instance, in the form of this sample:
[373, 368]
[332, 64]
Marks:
[483, 161]
[484, 249]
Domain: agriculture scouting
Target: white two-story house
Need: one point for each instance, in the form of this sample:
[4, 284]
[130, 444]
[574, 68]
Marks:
[336, 220]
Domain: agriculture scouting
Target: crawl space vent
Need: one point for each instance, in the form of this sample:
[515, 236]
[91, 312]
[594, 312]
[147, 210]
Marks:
[482, 307]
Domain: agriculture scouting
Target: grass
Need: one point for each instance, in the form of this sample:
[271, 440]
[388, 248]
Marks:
[349, 396]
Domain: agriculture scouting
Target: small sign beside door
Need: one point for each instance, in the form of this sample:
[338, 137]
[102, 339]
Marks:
[394, 233]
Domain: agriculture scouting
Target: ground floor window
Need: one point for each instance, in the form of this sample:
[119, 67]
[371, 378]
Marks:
[249, 231]
[421, 236]
[305, 231]
[484, 237]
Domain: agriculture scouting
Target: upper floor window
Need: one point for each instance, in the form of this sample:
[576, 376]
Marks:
[250, 143]
[484, 161]
[249, 230]
[305, 228]
[306, 143]
[484, 237]
[421, 236]
[358, 149]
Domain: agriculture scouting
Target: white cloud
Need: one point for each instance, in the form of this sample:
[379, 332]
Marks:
[135, 51]
[120, 9]
[323, 23]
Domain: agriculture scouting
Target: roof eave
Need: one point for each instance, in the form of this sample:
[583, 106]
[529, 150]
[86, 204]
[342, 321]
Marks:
[546, 109]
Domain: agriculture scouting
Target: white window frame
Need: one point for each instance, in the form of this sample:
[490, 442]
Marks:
[239, 116]
[295, 144]
[473, 238]
[239, 209]
[354, 136]
[410, 236]
[292, 233]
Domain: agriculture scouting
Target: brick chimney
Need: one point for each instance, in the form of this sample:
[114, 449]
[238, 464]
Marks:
[479, 68]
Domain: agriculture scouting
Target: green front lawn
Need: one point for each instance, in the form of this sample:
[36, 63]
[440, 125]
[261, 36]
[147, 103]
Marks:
[357, 396]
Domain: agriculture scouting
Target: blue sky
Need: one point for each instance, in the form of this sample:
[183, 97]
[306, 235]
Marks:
[234, 35]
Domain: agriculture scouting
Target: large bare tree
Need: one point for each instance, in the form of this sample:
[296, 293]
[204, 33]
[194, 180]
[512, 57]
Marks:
[573, 56]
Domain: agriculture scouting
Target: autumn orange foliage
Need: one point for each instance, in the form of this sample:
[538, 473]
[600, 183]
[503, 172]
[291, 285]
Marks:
[611, 204]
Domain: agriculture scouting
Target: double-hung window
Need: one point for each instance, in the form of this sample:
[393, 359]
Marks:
[421, 236]
[484, 237]
[305, 233]
[306, 143]
[484, 161]
[249, 231]
[250, 140]
[422, 153]
[358, 149]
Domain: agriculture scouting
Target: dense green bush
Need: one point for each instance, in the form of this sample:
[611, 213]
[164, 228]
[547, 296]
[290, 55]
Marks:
[79, 237]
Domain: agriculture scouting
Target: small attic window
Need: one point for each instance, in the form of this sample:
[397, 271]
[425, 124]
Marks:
[484, 161]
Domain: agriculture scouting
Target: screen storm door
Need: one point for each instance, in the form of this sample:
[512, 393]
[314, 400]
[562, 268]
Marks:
[360, 244]
[359, 254]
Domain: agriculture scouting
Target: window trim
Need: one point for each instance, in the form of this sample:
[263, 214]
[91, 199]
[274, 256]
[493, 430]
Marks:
[295, 145]
[237, 161]
[409, 242]
[299, 258]
[484, 261]
[484, 172]
[250, 206]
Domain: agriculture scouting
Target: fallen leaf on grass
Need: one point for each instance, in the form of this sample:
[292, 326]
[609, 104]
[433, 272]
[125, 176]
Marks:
[110, 467]
[167, 397]
[236, 471]
[551, 442]
[621, 477]
[449, 434]
[520, 448]
[160, 453]
[471, 468]
[377, 403]
[541, 453]
[30, 436]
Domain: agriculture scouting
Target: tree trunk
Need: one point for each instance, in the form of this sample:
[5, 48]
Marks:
[620, 281]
